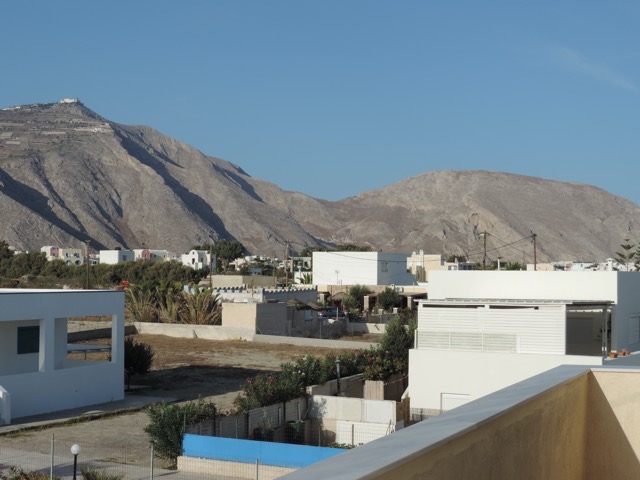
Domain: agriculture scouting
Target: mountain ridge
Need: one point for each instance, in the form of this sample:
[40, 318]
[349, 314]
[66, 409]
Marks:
[68, 175]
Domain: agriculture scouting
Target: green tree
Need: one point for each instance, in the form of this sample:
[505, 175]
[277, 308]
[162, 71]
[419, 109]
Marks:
[306, 278]
[5, 251]
[357, 293]
[456, 257]
[352, 247]
[227, 251]
[628, 255]
[513, 266]
[392, 356]
[168, 423]
[388, 298]
[308, 251]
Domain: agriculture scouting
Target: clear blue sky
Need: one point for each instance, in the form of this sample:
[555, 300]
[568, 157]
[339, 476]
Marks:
[335, 97]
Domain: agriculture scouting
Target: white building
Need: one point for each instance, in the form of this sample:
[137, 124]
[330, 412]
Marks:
[70, 256]
[199, 259]
[151, 255]
[361, 268]
[481, 331]
[113, 257]
[420, 264]
[36, 375]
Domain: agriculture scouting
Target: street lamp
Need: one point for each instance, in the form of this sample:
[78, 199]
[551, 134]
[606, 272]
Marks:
[75, 450]
[338, 374]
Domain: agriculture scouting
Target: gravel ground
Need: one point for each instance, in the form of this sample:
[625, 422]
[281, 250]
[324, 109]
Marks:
[184, 369]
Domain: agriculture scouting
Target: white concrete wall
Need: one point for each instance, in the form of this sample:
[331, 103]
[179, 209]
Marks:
[619, 287]
[217, 332]
[353, 409]
[626, 314]
[517, 330]
[468, 375]
[113, 257]
[359, 433]
[521, 285]
[208, 332]
[361, 268]
[10, 362]
[56, 383]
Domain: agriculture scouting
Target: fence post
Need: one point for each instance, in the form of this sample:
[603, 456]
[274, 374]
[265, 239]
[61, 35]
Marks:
[257, 469]
[152, 457]
[53, 450]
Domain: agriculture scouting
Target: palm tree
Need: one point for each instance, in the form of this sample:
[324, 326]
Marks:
[170, 300]
[201, 307]
[140, 304]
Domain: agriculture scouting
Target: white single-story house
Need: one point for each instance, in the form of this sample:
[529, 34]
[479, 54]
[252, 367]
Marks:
[481, 331]
[361, 268]
[113, 257]
[36, 375]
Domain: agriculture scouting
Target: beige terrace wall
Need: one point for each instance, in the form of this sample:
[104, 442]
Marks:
[613, 441]
[542, 438]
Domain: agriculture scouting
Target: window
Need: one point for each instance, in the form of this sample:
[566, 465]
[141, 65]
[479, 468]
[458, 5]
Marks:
[28, 340]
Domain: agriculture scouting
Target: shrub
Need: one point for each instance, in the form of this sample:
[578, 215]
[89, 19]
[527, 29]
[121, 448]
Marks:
[168, 423]
[95, 474]
[17, 473]
[138, 358]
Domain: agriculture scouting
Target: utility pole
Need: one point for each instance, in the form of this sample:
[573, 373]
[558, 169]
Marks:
[535, 263]
[286, 269]
[484, 255]
[211, 266]
[88, 242]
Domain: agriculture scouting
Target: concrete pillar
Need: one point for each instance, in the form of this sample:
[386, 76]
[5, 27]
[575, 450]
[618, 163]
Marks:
[5, 407]
[117, 339]
[47, 345]
[366, 303]
[61, 336]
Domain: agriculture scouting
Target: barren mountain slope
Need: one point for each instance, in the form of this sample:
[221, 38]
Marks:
[122, 186]
[68, 175]
[446, 211]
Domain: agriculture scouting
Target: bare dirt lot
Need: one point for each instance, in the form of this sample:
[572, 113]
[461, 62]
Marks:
[183, 369]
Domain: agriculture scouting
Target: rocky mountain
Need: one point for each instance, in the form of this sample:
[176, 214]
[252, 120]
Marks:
[68, 175]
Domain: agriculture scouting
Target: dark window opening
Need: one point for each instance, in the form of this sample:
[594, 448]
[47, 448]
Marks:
[28, 340]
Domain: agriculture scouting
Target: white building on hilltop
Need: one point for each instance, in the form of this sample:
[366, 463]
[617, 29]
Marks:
[361, 268]
[481, 331]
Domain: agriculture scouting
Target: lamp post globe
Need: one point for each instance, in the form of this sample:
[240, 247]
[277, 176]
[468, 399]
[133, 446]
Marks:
[75, 450]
